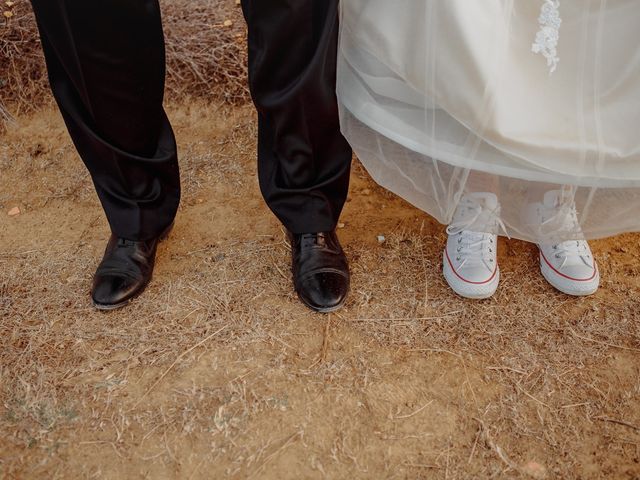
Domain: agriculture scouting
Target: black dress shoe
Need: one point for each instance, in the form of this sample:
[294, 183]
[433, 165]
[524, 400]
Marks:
[125, 271]
[320, 270]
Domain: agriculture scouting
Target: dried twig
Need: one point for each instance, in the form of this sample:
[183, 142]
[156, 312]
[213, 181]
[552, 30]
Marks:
[292, 438]
[606, 344]
[186, 352]
[619, 422]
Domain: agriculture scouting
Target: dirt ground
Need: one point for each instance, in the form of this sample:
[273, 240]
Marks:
[219, 372]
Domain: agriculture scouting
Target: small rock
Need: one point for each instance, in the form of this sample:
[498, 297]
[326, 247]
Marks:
[535, 469]
[228, 23]
[366, 191]
[14, 211]
[381, 239]
[341, 225]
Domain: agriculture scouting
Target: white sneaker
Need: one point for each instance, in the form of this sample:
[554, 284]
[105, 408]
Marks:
[470, 264]
[568, 266]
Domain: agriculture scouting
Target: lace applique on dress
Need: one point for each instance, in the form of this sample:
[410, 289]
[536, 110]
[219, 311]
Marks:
[547, 38]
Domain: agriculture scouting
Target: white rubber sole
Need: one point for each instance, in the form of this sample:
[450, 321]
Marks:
[575, 288]
[466, 289]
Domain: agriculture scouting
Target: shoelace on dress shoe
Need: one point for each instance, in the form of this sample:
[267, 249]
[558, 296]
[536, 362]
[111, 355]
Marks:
[321, 240]
[123, 242]
[313, 239]
[317, 253]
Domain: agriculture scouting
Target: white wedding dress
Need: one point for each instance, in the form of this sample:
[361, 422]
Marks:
[441, 98]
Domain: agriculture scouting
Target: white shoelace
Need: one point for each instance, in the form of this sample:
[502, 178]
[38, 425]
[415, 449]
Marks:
[568, 216]
[476, 248]
[572, 249]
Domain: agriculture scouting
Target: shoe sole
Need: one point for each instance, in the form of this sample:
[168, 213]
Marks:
[108, 308]
[453, 282]
[322, 310]
[115, 306]
[550, 277]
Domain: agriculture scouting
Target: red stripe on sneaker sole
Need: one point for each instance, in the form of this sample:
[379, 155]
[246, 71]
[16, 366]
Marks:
[464, 279]
[595, 271]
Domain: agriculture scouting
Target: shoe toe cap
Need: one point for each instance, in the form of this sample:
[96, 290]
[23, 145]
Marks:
[476, 275]
[324, 291]
[573, 280]
[112, 290]
[579, 273]
[472, 282]
[574, 273]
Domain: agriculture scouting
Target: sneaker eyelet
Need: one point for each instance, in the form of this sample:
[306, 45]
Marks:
[457, 259]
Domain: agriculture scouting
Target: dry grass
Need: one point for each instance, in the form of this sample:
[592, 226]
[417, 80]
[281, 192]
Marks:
[218, 372]
[205, 57]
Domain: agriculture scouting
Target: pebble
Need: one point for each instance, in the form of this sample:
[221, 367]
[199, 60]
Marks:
[14, 211]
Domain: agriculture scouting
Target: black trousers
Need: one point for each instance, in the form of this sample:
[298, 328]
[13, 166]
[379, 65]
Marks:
[106, 66]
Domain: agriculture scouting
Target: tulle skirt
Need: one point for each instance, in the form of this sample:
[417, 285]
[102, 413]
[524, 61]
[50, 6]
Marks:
[440, 98]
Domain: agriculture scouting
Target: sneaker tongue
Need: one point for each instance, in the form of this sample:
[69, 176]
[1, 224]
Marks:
[486, 199]
[477, 205]
[560, 217]
[470, 236]
[552, 198]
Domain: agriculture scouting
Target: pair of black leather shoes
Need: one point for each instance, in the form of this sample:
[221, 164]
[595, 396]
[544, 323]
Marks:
[319, 267]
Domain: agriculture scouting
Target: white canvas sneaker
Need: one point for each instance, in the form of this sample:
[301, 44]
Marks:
[470, 264]
[568, 266]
